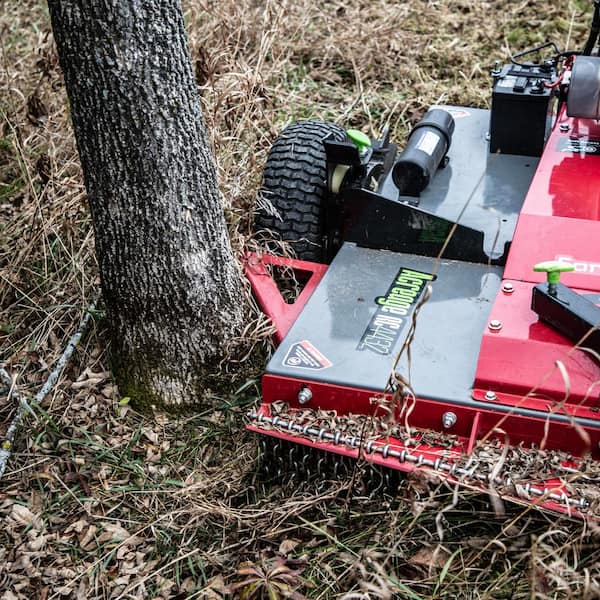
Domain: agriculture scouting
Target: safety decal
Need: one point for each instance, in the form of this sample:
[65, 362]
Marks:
[578, 146]
[393, 311]
[303, 355]
[458, 113]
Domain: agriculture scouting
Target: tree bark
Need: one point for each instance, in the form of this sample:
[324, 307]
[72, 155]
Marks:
[170, 284]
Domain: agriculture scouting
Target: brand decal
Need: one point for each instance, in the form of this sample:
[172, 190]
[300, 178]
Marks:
[393, 311]
[581, 266]
[578, 146]
[303, 355]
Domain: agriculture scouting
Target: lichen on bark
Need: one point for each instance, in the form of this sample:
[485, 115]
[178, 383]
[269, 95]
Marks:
[170, 284]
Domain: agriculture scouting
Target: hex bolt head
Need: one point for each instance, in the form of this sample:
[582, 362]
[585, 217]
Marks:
[490, 396]
[495, 325]
[508, 287]
[305, 395]
[449, 419]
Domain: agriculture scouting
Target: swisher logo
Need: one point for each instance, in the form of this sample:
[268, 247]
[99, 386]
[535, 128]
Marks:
[581, 266]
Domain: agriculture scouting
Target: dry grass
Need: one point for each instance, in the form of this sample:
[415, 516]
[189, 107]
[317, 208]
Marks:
[100, 502]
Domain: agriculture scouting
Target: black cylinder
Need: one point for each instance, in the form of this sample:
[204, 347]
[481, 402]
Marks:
[426, 147]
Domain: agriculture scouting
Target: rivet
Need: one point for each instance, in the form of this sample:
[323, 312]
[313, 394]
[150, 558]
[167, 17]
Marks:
[449, 420]
[495, 325]
[304, 395]
[508, 288]
[490, 396]
[564, 127]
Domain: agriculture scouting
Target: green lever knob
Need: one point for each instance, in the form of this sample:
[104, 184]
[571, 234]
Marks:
[360, 139]
[553, 269]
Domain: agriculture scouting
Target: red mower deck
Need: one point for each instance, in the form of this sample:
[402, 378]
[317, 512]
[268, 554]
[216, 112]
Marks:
[418, 346]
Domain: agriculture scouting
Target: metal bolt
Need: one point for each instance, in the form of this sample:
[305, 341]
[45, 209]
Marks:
[490, 396]
[305, 395]
[508, 288]
[449, 419]
[495, 325]
[564, 127]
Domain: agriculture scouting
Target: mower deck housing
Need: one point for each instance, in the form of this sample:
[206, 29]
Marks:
[476, 363]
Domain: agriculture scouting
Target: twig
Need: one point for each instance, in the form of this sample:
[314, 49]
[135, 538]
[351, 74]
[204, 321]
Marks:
[23, 405]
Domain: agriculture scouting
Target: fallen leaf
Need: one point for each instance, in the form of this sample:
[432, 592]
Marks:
[215, 588]
[87, 540]
[150, 434]
[430, 558]
[23, 516]
[288, 546]
[114, 532]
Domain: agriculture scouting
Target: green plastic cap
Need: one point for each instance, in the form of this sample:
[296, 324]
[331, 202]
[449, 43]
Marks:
[360, 139]
[553, 269]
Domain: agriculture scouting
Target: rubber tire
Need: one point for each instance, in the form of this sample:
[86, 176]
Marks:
[294, 183]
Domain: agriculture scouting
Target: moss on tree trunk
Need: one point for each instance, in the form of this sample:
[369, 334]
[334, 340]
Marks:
[171, 287]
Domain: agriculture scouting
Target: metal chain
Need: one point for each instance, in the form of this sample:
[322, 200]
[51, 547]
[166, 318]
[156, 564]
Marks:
[462, 474]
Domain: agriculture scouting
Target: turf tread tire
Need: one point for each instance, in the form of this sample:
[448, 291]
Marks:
[294, 185]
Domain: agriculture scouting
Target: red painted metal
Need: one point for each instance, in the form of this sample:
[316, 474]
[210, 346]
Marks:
[560, 218]
[518, 362]
[474, 422]
[521, 357]
[267, 293]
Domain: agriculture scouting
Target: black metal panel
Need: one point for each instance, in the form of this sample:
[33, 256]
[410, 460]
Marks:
[332, 326]
[482, 191]
[373, 221]
[569, 312]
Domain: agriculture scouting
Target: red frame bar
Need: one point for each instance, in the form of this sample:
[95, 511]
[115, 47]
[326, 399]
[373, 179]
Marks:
[474, 423]
[267, 293]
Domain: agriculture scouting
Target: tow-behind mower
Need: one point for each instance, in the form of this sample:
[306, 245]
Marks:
[449, 315]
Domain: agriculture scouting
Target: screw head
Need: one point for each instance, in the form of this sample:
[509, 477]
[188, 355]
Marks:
[449, 419]
[508, 288]
[490, 396]
[495, 325]
[564, 127]
[305, 395]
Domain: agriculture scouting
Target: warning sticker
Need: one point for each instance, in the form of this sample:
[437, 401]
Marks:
[578, 146]
[303, 355]
[458, 113]
[393, 311]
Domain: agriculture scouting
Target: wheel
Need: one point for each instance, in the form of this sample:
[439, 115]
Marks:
[291, 204]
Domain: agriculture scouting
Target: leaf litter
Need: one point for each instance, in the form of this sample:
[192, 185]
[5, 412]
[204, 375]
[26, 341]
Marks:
[102, 502]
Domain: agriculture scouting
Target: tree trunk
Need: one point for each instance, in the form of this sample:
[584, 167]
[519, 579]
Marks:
[170, 283]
